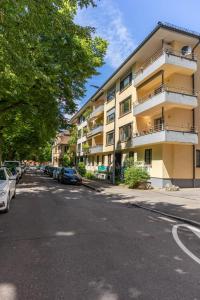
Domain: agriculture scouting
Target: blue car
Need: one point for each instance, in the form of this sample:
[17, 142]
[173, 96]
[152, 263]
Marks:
[70, 176]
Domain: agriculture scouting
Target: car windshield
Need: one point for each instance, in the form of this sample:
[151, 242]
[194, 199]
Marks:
[2, 175]
[70, 171]
[11, 164]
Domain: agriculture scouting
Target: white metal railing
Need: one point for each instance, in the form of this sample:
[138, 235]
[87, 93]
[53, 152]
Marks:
[158, 54]
[164, 88]
[96, 149]
[167, 127]
[95, 129]
[99, 109]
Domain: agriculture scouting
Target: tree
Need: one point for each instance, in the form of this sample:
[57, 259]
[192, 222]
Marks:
[45, 61]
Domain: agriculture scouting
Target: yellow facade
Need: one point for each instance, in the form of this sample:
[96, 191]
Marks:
[155, 106]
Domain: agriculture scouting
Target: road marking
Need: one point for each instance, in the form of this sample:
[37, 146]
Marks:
[180, 244]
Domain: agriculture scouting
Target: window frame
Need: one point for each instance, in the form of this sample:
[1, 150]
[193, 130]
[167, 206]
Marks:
[107, 134]
[148, 156]
[113, 88]
[121, 114]
[197, 158]
[107, 116]
[122, 87]
[122, 128]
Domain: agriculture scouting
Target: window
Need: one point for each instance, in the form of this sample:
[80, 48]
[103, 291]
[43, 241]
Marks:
[79, 133]
[131, 154]
[111, 93]
[125, 106]
[103, 159]
[110, 138]
[85, 130]
[148, 156]
[158, 124]
[79, 147]
[125, 133]
[198, 158]
[125, 82]
[109, 159]
[92, 160]
[97, 159]
[110, 115]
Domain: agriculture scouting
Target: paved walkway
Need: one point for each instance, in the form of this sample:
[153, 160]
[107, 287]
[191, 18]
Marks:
[184, 203]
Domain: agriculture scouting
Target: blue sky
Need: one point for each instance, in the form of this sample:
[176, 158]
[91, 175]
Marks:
[125, 23]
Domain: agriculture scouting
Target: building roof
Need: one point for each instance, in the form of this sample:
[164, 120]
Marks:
[164, 25]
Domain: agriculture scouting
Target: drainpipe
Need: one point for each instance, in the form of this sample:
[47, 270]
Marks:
[114, 148]
[193, 119]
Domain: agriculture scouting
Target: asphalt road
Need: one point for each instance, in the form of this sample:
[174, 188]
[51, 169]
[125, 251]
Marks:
[68, 242]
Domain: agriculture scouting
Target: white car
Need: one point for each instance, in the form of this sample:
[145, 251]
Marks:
[7, 188]
[14, 164]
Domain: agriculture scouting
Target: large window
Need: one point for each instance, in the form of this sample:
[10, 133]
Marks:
[148, 156]
[111, 93]
[126, 81]
[198, 158]
[110, 138]
[79, 148]
[110, 116]
[125, 133]
[125, 106]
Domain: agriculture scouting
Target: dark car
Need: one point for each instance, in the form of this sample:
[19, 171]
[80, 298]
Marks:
[50, 171]
[69, 175]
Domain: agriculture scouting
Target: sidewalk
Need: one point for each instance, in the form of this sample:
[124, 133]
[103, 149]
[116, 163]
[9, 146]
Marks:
[182, 204]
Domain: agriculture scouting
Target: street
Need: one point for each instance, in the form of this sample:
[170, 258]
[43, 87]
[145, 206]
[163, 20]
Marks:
[69, 242]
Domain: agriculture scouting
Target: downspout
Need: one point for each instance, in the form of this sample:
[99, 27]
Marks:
[193, 119]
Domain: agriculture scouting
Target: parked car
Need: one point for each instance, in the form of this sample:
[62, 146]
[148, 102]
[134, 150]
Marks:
[7, 188]
[13, 164]
[56, 172]
[69, 175]
[50, 171]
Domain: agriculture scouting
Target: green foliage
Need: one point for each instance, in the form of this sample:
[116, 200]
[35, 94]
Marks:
[89, 175]
[129, 162]
[66, 161]
[81, 168]
[45, 61]
[87, 113]
[85, 147]
[134, 175]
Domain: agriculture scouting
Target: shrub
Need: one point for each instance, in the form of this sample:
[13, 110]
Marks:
[134, 175]
[90, 175]
[81, 168]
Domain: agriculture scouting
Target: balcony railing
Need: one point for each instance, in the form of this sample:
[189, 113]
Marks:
[97, 111]
[165, 133]
[164, 88]
[164, 56]
[161, 127]
[96, 149]
[158, 54]
[95, 130]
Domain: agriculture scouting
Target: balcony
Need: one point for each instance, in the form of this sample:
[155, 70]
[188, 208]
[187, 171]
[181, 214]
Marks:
[97, 111]
[95, 130]
[166, 134]
[168, 60]
[165, 96]
[82, 139]
[96, 149]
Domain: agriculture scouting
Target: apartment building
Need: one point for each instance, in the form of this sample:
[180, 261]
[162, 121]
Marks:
[149, 110]
[60, 147]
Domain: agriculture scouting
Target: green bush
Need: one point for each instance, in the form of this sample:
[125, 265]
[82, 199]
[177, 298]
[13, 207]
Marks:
[89, 175]
[81, 168]
[134, 175]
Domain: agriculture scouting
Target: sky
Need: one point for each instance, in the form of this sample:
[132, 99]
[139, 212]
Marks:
[125, 23]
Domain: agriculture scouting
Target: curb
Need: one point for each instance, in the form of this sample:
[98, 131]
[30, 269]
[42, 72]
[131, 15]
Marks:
[92, 187]
[184, 220]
